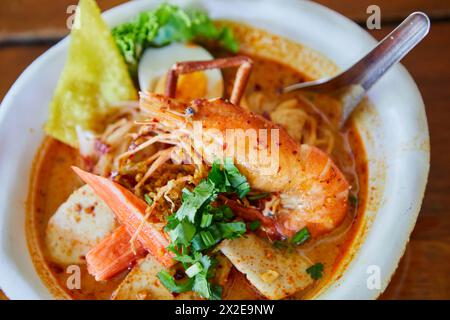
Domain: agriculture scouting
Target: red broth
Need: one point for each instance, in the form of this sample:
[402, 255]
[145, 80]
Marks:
[53, 181]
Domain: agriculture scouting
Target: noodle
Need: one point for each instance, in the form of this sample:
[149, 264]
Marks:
[291, 115]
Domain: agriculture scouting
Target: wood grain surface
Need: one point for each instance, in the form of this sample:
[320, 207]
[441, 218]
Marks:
[28, 28]
[31, 20]
[391, 10]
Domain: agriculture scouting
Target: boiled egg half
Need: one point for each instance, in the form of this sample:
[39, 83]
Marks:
[155, 62]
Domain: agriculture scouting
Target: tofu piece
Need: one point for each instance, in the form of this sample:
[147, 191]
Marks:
[77, 226]
[142, 283]
[274, 273]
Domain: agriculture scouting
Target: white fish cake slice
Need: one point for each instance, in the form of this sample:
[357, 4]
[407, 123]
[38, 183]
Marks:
[275, 274]
[142, 284]
[77, 226]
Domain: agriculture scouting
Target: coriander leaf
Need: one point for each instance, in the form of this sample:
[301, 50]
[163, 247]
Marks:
[216, 292]
[201, 286]
[315, 271]
[199, 226]
[215, 233]
[206, 220]
[232, 230]
[254, 225]
[227, 212]
[301, 236]
[237, 180]
[202, 193]
[206, 261]
[172, 222]
[221, 213]
[217, 176]
[208, 238]
[184, 259]
[183, 233]
[197, 243]
[212, 269]
[169, 282]
[172, 248]
[185, 194]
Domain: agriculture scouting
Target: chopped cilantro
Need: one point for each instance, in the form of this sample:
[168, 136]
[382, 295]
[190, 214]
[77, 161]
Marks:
[237, 180]
[198, 226]
[227, 212]
[206, 220]
[216, 292]
[217, 176]
[208, 238]
[254, 225]
[198, 244]
[232, 230]
[301, 236]
[315, 271]
[169, 282]
[229, 179]
[202, 286]
[182, 233]
[192, 203]
[185, 259]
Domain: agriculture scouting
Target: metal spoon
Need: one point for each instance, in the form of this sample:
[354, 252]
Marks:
[351, 86]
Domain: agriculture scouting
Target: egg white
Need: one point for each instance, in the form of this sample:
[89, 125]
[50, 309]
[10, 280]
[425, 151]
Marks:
[155, 62]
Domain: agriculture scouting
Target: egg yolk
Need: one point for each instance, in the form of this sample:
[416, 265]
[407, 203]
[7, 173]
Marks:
[190, 86]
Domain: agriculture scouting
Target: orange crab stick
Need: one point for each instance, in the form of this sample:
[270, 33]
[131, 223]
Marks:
[113, 255]
[130, 211]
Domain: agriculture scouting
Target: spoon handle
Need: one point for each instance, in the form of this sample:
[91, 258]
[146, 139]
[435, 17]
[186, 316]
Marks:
[388, 52]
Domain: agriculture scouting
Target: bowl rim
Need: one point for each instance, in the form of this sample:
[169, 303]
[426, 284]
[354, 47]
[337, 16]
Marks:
[15, 285]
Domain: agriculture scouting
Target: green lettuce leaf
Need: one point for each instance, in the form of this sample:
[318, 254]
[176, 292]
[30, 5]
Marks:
[164, 25]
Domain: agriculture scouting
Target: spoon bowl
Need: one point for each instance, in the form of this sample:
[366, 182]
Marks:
[350, 86]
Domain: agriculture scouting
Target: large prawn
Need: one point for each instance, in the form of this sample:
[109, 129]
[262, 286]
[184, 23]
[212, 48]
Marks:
[309, 189]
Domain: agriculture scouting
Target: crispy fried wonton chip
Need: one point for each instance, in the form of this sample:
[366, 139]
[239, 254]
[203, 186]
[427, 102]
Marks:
[94, 78]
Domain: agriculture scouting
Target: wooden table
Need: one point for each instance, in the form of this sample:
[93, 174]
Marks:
[29, 27]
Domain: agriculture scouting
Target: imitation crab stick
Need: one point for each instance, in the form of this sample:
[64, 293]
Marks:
[113, 255]
[130, 211]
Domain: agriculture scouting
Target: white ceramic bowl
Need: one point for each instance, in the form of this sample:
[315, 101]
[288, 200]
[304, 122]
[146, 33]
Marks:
[395, 135]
